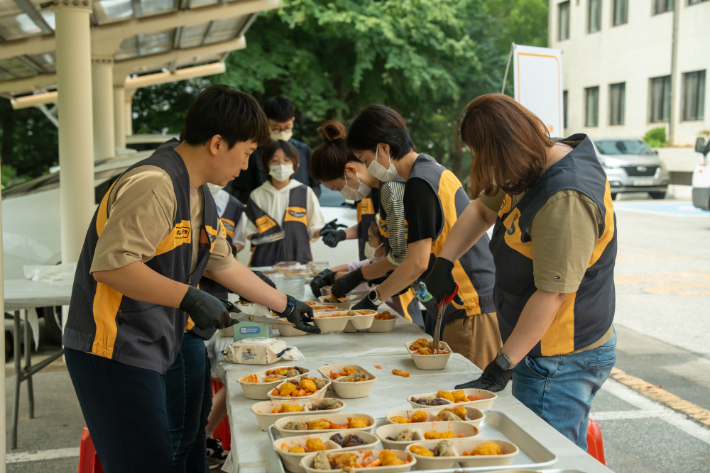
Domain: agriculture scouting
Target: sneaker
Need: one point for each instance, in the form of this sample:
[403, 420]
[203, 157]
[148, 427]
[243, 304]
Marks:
[213, 463]
[216, 451]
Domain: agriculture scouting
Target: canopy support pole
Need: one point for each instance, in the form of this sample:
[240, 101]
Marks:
[119, 121]
[102, 100]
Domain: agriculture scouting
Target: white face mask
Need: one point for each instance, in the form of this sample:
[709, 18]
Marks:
[284, 135]
[281, 172]
[214, 188]
[370, 252]
[352, 194]
[379, 171]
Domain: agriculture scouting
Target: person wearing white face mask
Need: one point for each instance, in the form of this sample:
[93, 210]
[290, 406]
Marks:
[282, 204]
[338, 169]
[281, 114]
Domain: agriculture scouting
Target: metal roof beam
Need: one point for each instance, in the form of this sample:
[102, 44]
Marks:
[107, 38]
[209, 31]
[27, 7]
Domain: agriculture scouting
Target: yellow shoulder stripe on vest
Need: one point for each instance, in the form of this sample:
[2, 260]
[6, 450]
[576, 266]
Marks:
[365, 207]
[608, 227]
[264, 224]
[559, 338]
[106, 303]
[296, 214]
[226, 225]
[514, 240]
[405, 299]
[181, 234]
[189, 324]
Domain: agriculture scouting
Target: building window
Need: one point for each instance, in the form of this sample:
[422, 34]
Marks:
[694, 2]
[662, 6]
[694, 96]
[660, 99]
[564, 109]
[621, 12]
[594, 16]
[617, 99]
[563, 26]
[592, 106]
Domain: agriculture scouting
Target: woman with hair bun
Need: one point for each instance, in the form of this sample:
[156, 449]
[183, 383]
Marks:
[334, 164]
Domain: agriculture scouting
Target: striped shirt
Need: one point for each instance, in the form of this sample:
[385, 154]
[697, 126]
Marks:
[392, 208]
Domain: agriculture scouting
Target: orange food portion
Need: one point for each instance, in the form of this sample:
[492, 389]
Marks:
[436, 435]
[306, 387]
[474, 398]
[311, 303]
[420, 416]
[400, 420]
[357, 422]
[388, 458]
[249, 379]
[379, 367]
[346, 372]
[401, 373]
[337, 314]
[385, 316]
[487, 448]
[324, 307]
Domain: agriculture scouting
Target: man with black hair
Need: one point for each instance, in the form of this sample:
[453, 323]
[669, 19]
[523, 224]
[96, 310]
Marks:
[152, 238]
[281, 114]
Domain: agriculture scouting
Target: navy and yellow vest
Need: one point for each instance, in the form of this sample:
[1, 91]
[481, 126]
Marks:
[105, 322]
[474, 271]
[365, 216]
[586, 315]
[295, 246]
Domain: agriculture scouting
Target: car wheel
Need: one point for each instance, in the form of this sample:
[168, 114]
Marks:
[657, 195]
[53, 321]
[613, 195]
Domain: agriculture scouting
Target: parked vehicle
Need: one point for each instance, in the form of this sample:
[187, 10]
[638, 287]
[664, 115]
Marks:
[701, 176]
[632, 166]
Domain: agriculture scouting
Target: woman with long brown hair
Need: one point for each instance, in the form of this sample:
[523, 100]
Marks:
[554, 247]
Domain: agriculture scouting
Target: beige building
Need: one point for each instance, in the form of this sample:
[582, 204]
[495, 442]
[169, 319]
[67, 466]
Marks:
[617, 66]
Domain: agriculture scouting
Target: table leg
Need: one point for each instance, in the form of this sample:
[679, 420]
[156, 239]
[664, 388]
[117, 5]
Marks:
[28, 365]
[18, 377]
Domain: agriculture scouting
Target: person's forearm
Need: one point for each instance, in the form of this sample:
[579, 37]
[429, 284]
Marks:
[141, 283]
[351, 233]
[470, 226]
[242, 281]
[340, 274]
[537, 315]
[406, 273]
[340, 268]
[377, 269]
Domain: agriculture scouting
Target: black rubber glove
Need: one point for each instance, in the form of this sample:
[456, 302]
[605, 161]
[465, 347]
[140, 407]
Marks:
[323, 279]
[332, 237]
[347, 283]
[440, 281]
[205, 310]
[264, 278]
[300, 315]
[493, 379]
[364, 304]
[333, 225]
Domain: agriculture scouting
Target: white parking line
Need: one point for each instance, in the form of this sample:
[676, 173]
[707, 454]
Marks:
[648, 409]
[34, 456]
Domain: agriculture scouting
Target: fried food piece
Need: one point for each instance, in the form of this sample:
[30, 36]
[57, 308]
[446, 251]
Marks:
[319, 424]
[296, 426]
[389, 458]
[296, 449]
[271, 379]
[328, 404]
[461, 412]
[321, 461]
[445, 395]
[348, 371]
[428, 401]
[357, 422]
[405, 436]
[355, 377]
[424, 351]
[292, 373]
[436, 435]
[404, 374]
[445, 449]
[249, 379]
[487, 448]
[420, 416]
[343, 460]
[459, 396]
[384, 316]
[308, 385]
[422, 451]
[315, 445]
[320, 383]
[448, 416]
[287, 389]
[400, 420]
[420, 343]
[473, 398]
[290, 408]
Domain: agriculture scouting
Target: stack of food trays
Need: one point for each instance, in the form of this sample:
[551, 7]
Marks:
[258, 385]
[349, 381]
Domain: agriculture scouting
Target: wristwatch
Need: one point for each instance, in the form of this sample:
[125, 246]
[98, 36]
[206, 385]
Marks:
[290, 305]
[504, 362]
[373, 297]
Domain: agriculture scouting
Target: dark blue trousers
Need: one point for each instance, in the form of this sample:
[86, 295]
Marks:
[125, 410]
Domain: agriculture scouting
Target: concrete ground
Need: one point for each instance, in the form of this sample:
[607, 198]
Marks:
[663, 354]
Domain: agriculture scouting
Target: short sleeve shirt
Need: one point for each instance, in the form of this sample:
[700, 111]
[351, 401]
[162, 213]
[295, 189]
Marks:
[142, 208]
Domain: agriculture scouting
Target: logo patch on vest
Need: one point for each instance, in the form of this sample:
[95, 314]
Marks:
[296, 214]
[182, 233]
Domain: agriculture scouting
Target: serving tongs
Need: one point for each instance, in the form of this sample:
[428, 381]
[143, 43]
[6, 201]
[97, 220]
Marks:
[231, 308]
[442, 304]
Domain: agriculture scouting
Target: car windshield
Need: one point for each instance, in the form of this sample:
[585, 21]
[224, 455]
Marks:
[616, 147]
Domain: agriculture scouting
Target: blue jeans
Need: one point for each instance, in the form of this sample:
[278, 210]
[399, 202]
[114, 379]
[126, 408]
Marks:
[189, 400]
[560, 389]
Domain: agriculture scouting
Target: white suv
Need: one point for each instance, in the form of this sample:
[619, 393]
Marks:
[701, 176]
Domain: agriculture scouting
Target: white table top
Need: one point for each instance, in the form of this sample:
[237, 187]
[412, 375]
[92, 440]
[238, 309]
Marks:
[252, 451]
[26, 294]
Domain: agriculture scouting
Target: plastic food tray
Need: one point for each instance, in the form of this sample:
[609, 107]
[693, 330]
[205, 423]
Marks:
[496, 425]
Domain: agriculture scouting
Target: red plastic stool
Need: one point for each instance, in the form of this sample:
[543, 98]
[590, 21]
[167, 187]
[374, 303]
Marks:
[222, 431]
[88, 459]
[595, 445]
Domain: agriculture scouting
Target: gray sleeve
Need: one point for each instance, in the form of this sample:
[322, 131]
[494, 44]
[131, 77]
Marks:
[391, 195]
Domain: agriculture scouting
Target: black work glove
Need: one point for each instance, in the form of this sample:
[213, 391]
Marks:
[332, 237]
[300, 315]
[264, 278]
[347, 283]
[333, 225]
[364, 304]
[440, 281]
[323, 279]
[205, 310]
[493, 379]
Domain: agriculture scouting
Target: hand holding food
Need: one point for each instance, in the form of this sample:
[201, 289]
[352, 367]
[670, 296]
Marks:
[323, 279]
[347, 283]
[300, 315]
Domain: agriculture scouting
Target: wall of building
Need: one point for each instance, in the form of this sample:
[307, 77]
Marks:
[632, 53]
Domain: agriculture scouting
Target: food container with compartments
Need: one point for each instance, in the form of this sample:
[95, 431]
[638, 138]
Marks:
[486, 401]
[266, 417]
[391, 431]
[476, 416]
[459, 446]
[261, 389]
[337, 419]
[349, 390]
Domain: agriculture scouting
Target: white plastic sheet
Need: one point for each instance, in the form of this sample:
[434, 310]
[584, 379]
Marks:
[56, 275]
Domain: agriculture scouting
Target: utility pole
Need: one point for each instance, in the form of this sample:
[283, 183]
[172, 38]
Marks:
[674, 73]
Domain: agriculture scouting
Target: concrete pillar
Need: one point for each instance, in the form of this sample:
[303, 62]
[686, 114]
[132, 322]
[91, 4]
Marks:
[3, 419]
[102, 99]
[76, 135]
[119, 121]
[129, 112]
